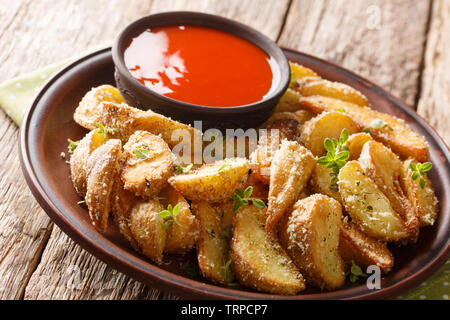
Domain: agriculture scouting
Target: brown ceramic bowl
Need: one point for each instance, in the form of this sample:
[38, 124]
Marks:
[244, 116]
[48, 123]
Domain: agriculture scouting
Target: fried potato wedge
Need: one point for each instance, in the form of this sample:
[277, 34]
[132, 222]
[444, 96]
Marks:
[260, 190]
[290, 171]
[104, 105]
[321, 182]
[258, 259]
[310, 235]
[326, 125]
[148, 164]
[337, 90]
[384, 168]
[299, 71]
[79, 158]
[213, 182]
[147, 228]
[122, 202]
[355, 144]
[363, 250]
[401, 139]
[300, 116]
[289, 102]
[423, 200]
[214, 242]
[182, 235]
[367, 205]
[101, 171]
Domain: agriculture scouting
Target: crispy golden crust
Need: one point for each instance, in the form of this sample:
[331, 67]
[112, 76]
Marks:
[104, 105]
[300, 116]
[101, 171]
[260, 190]
[290, 170]
[355, 144]
[181, 236]
[321, 182]
[213, 182]
[310, 235]
[384, 168]
[213, 242]
[402, 139]
[326, 125]
[289, 102]
[147, 229]
[322, 87]
[79, 158]
[258, 259]
[299, 71]
[146, 176]
[423, 200]
[122, 202]
[363, 250]
[368, 207]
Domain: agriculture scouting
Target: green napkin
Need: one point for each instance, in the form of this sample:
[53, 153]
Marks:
[16, 94]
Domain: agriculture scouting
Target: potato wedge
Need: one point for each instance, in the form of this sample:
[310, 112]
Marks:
[299, 71]
[367, 205]
[147, 229]
[213, 182]
[337, 90]
[289, 102]
[181, 236]
[214, 242]
[326, 125]
[401, 139]
[363, 250]
[384, 168]
[290, 170]
[355, 144]
[321, 182]
[310, 235]
[122, 202]
[258, 259]
[79, 158]
[300, 116]
[101, 171]
[423, 200]
[104, 105]
[148, 164]
[260, 190]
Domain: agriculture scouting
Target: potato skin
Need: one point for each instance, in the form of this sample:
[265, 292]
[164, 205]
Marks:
[384, 168]
[210, 183]
[355, 144]
[423, 200]
[101, 171]
[290, 170]
[258, 259]
[363, 250]
[326, 125]
[368, 207]
[321, 182]
[310, 235]
[146, 177]
[147, 229]
[181, 236]
[213, 241]
[402, 139]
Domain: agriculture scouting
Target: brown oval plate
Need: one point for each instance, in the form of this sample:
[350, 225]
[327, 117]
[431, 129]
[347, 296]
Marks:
[48, 123]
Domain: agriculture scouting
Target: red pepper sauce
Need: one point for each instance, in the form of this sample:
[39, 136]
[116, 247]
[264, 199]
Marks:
[201, 65]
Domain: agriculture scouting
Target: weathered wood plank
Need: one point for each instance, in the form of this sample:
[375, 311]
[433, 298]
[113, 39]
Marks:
[434, 102]
[97, 281]
[382, 40]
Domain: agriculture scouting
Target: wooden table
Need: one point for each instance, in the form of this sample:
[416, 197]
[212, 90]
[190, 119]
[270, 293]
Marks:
[402, 45]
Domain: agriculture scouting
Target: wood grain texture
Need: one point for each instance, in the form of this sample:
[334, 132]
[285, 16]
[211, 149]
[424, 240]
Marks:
[434, 102]
[44, 32]
[382, 40]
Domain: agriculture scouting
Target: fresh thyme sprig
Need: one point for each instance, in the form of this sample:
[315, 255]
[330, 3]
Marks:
[355, 272]
[242, 198]
[419, 171]
[105, 130]
[337, 155]
[170, 215]
[72, 145]
[142, 153]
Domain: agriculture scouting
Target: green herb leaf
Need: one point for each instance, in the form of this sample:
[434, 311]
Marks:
[419, 170]
[142, 153]
[222, 168]
[105, 130]
[170, 215]
[190, 269]
[258, 203]
[186, 169]
[294, 83]
[72, 145]
[355, 272]
[380, 124]
[242, 198]
[226, 269]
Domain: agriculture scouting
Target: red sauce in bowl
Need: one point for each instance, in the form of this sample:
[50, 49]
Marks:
[202, 66]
